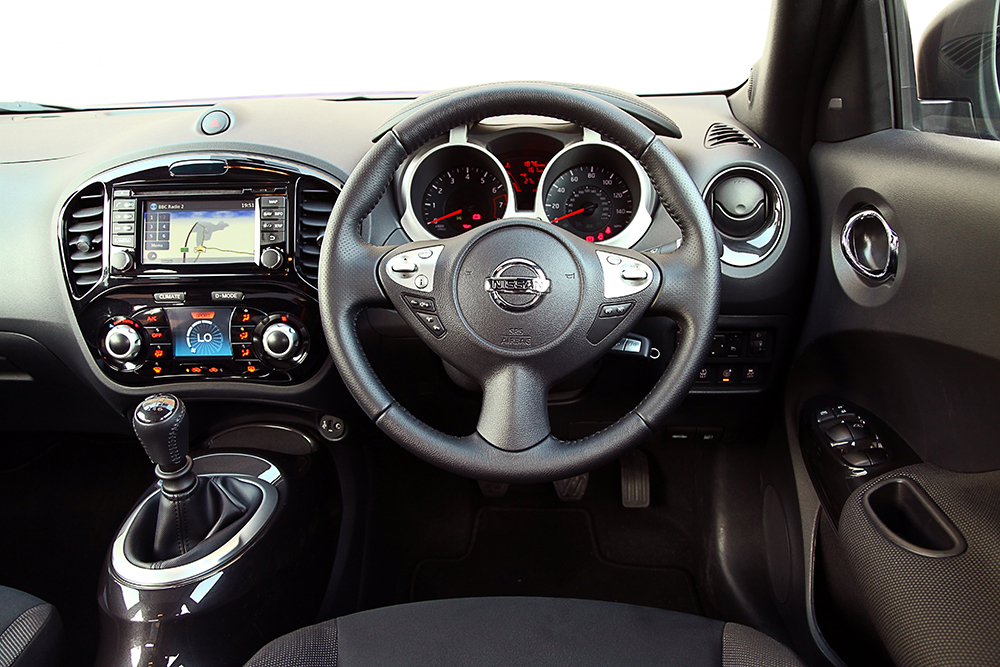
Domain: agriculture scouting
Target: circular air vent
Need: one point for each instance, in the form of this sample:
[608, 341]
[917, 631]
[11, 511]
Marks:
[746, 207]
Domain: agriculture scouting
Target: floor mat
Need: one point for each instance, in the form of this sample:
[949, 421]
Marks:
[547, 552]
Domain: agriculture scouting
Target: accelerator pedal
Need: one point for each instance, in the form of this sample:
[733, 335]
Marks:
[635, 479]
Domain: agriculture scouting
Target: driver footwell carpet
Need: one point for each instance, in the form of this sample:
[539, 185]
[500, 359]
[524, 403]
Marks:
[547, 552]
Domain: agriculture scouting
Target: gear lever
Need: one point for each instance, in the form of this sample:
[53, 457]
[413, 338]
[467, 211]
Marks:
[191, 509]
[161, 424]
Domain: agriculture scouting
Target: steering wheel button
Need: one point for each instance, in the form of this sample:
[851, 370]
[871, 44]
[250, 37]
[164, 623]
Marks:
[433, 324]
[425, 254]
[614, 260]
[635, 273]
[402, 264]
[421, 281]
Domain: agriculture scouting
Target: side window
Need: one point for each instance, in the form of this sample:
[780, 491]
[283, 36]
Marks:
[955, 54]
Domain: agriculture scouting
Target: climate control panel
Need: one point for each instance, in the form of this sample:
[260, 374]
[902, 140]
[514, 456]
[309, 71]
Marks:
[228, 335]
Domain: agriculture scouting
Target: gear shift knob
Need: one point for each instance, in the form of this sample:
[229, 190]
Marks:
[161, 424]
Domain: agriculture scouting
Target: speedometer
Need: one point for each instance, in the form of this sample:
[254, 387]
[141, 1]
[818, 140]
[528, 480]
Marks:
[462, 198]
[593, 202]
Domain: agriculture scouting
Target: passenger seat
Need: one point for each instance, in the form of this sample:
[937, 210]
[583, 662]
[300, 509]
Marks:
[31, 632]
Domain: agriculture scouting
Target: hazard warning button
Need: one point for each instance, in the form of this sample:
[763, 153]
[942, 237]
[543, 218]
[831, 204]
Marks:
[215, 122]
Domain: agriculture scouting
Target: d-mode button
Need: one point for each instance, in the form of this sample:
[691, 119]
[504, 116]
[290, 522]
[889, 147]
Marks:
[227, 296]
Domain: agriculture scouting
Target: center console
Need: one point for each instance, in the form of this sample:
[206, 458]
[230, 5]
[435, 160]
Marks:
[200, 267]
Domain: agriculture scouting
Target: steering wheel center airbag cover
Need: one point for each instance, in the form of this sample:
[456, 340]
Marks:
[518, 288]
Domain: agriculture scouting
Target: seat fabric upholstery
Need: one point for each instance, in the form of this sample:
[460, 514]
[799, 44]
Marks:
[501, 632]
[31, 631]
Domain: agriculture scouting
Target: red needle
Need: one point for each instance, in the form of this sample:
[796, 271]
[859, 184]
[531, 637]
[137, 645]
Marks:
[443, 217]
[570, 215]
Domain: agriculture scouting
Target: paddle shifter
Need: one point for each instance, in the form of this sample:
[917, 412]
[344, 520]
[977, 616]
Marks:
[191, 509]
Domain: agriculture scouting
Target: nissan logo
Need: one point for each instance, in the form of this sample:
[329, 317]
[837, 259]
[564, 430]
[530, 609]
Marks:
[518, 284]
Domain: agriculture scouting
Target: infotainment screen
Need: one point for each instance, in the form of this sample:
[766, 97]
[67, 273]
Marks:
[199, 232]
[200, 332]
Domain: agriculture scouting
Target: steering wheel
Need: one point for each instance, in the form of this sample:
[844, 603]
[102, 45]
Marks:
[518, 304]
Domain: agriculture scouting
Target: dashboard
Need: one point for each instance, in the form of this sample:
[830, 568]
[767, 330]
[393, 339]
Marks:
[154, 251]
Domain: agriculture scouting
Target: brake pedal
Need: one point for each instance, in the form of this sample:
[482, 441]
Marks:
[635, 479]
[572, 488]
[493, 489]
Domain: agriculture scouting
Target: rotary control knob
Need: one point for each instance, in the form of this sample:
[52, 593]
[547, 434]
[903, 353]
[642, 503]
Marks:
[280, 341]
[121, 260]
[270, 258]
[123, 343]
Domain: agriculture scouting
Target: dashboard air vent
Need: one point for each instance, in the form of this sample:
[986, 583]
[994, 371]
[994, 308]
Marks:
[315, 200]
[83, 238]
[720, 134]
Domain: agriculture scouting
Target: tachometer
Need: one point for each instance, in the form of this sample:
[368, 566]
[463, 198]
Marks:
[462, 198]
[592, 202]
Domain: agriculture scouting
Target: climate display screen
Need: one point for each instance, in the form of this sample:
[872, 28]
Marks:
[199, 232]
[200, 333]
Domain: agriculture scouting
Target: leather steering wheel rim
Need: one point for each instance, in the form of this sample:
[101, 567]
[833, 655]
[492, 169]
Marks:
[353, 277]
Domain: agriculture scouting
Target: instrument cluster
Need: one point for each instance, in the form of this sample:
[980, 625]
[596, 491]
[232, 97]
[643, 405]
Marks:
[570, 177]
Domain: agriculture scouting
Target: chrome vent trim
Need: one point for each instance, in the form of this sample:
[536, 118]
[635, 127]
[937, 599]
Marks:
[314, 201]
[721, 134]
[83, 238]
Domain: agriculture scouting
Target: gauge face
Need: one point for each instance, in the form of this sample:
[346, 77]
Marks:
[592, 202]
[204, 339]
[462, 198]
